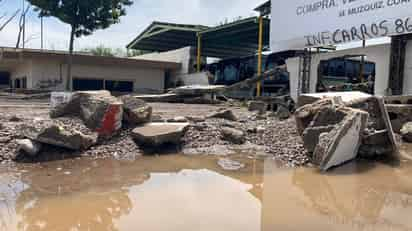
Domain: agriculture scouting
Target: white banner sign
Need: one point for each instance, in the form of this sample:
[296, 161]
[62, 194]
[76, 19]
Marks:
[297, 24]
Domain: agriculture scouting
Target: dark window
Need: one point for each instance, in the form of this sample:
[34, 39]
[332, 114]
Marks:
[24, 83]
[17, 83]
[4, 78]
[87, 84]
[119, 86]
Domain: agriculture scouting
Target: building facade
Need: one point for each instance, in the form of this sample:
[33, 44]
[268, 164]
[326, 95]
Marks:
[47, 70]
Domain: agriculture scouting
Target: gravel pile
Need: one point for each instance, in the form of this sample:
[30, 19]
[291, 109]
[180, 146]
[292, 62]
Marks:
[277, 138]
[263, 134]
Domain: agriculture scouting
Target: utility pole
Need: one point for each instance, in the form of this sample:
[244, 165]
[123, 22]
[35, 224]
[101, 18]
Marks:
[24, 24]
[41, 32]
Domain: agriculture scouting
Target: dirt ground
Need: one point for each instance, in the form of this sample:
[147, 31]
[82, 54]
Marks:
[274, 137]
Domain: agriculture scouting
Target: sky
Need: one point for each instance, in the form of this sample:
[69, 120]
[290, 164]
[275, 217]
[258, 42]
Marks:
[139, 16]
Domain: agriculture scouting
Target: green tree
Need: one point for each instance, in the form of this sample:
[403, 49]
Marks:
[83, 16]
[101, 50]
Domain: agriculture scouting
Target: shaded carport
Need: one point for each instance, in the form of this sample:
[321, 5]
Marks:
[241, 38]
[162, 36]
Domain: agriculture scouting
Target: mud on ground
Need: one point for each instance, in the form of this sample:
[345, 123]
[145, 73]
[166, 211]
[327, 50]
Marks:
[265, 135]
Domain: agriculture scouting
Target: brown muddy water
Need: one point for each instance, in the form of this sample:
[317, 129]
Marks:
[179, 192]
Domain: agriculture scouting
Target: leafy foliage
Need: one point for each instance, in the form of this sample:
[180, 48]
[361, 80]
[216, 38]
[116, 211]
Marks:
[110, 52]
[85, 16]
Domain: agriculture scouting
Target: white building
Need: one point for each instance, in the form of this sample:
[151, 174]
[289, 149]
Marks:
[378, 54]
[35, 69]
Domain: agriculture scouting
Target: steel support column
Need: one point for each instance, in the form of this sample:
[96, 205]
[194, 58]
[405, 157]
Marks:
[199, 52]
[260, 49]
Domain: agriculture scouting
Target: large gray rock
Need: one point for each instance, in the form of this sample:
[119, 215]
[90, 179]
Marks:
[136, 111]
[56, 135]
[282, 113]
[258, 106]
[158, 134]
[31, 148]
[99, 110]
[406, 132]
[224, 114]
[233, 135]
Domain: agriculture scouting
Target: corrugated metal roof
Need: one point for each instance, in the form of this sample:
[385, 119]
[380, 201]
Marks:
[236, 39]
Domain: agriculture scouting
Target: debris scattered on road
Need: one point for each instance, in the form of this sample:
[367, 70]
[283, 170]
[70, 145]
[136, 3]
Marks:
[158, 134]
[336, 131]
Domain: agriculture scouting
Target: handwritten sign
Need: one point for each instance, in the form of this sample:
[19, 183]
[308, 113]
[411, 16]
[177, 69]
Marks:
[297, 24]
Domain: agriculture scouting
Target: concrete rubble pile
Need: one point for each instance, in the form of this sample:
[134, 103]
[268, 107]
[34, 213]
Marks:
[81, 120]
[337, 129]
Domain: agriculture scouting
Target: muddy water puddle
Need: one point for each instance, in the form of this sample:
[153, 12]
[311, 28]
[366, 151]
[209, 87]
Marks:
[179, 192]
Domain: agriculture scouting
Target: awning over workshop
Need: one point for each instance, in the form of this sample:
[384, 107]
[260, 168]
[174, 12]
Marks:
[161, 36]
[236, 39]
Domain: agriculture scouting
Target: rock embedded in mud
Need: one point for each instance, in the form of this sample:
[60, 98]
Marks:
[31, 148]
[233, 135]
[224, 114]
[158, 134]
[406, 132]
[136, 111]
[53, 134]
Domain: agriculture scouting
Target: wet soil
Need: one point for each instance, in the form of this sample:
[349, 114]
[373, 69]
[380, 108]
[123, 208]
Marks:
[265, 135]
[179, 192]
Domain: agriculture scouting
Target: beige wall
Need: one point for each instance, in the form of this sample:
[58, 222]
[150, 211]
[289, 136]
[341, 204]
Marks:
[53, 72]
[23, 69]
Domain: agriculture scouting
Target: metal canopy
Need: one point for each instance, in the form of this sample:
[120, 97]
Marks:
[265, 8]
[235, 39]
[161, 36]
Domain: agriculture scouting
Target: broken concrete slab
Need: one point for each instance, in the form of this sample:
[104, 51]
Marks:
[379, 120]
[29, 147]
[399, 114]
[311, 136]
[224, 114]
[346, 97]
[198, 90]
[342, 143]
[321, 122]
[406, 132]
[158, 134]
[305, 115]
[56, 135]
[161, 98]
[136, 111]
[233, 135]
